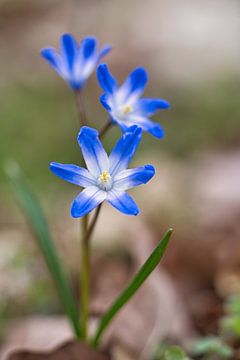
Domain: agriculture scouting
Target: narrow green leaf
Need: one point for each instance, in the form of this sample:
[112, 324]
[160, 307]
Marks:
[39, 226]
[131, 289]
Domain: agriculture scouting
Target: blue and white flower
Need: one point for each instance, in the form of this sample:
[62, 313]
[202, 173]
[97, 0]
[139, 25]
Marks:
[106, 177]
[75, 63]
[124, 104]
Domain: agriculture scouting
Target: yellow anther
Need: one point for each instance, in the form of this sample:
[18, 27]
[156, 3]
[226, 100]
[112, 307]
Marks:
[105, 176]
[127, 109]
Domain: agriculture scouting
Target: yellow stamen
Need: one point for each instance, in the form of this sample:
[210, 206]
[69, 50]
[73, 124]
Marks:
[105, 176]
[127, 109]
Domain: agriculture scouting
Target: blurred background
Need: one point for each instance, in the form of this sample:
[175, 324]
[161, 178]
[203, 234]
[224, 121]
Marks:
[191, 50]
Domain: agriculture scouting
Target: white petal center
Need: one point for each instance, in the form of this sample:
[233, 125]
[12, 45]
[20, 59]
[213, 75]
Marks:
[123, 111]
[105, 181]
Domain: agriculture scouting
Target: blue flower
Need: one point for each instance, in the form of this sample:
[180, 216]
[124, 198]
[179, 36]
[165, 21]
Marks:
[106, 178]
[124, 104]
[75, 63]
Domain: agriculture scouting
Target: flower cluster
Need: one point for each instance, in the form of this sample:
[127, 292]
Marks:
[106, 177]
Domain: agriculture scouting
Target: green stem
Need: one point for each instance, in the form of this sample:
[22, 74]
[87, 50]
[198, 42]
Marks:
[87, 231]
[85, 246]
[93, 223]
[84, 280]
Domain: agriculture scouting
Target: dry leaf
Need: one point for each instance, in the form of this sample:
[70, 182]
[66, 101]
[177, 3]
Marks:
[74, 350]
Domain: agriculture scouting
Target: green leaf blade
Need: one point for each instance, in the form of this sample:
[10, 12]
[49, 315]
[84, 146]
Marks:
[38, 224]
[134, 285]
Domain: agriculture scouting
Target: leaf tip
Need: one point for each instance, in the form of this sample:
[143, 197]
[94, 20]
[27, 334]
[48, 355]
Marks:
[11, 168]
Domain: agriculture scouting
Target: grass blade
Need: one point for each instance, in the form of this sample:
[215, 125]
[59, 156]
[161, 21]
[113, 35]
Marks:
[39, 226]
[131, 289]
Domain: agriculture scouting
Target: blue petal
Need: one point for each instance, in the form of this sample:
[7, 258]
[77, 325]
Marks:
[93, 152]
[105, 79]
[52, 58]
[124, 150]
[150, 106]
[133, 86]
[127, 179]
[104, 51]
[86, 201]
[123, 202]
[104, 102]
[88, 47]
[73, 174]
[69, 50]
[147, 125]
[137, 79]
[155, 130]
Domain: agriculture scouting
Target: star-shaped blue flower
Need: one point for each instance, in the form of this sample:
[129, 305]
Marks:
[75, 63]
[106, 178]
[124, 104]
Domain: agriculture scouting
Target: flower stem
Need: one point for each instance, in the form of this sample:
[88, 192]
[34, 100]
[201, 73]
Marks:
[93, 223]
[105, 129]
[85, 271]
[80, 107]
[84, 279]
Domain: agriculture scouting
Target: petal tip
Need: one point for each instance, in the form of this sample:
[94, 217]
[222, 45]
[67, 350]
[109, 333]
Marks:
[165, 104]
[101, 70]
[102, 66]
[90, 38]
[142, 72]
[53, 165]
[134, 129]
[74, 213]
[168, 105]
[86, 131]
[157, 131]
[150, 168]
[47, 52]
[104, 51]
[66, 36]
[43, 51]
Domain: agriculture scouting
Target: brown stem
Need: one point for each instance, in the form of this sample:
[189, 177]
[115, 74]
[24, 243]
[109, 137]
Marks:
[80, 107]
[105, 129]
